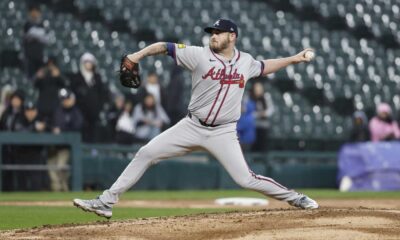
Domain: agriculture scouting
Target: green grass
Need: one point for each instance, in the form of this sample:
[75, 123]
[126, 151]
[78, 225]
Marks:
[12, 217]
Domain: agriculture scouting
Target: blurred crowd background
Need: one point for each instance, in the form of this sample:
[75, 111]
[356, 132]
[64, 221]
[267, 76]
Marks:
[58, 63]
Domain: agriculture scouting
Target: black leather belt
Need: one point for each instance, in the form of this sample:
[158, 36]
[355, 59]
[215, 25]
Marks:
[194, 118]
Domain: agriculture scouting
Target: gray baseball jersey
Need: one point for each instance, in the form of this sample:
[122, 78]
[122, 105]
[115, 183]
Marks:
[217, 83]
[217, 91]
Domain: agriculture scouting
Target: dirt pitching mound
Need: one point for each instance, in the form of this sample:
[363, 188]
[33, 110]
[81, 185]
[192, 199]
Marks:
[326, 223]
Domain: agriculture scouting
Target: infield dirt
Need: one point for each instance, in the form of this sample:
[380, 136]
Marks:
[336, 219]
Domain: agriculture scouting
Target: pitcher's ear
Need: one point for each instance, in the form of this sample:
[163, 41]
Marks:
[232, 36]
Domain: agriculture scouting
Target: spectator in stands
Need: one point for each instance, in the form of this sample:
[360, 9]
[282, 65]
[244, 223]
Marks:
[34, 41]
[264, 108]
[125, 127]
[67, 118]
[11, 119]
[30, 154]
[91, 95]
[31, 121]
[149, 118]
[360, 130]
[48, 81]
[175, 105]
[153, 87]
[246, 126]
[383, 127]
[113, 113]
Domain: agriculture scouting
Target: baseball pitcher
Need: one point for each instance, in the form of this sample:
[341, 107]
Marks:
[219, 75]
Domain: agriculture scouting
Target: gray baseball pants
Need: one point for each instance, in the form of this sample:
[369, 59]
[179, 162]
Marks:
[186, 136]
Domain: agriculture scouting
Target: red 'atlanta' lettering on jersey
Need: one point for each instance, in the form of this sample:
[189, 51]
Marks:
[234, 78]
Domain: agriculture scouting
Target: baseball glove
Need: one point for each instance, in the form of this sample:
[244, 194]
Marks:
[129, 73]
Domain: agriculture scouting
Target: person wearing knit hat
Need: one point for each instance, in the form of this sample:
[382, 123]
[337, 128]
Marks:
[32, 122]
[382, 126]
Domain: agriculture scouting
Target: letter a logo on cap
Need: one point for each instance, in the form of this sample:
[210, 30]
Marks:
[216, 23]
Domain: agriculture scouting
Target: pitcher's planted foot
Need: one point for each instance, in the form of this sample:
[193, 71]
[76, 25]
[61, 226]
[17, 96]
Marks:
[95, 206]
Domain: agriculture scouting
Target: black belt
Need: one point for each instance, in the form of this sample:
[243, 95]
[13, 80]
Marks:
[201, 122]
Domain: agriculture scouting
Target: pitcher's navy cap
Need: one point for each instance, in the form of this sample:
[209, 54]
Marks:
[223, 25]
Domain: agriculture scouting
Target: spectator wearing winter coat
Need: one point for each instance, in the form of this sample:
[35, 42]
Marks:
[31, 154]
[12, 117]
[360, 130]
[264, 108]
[34, 41]
[175, 102]
[67, 118]
[91, 95]
[48, 81]
[12, 120]
[125, 126]
[112, 114]
[152, 86]
[149, 118]
[31, 121]
[383, 127]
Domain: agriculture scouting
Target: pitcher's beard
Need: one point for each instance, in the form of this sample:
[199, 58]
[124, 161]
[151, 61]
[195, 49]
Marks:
[218, 49]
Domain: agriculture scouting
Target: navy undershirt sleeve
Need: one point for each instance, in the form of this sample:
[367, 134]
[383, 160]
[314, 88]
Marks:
[171, 49]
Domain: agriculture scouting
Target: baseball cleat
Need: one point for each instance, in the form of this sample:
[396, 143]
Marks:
[94, 205]
[304, 202]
